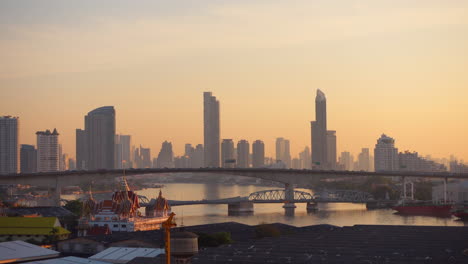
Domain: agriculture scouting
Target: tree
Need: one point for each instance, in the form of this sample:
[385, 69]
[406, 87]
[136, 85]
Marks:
[74, 206]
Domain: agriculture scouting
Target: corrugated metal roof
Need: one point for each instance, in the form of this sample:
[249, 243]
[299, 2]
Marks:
[125, 254]
[14, 251]
[68, 260]
[28, 221]
[32, 231]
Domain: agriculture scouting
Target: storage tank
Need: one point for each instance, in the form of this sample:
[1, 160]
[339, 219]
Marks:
[184, 244]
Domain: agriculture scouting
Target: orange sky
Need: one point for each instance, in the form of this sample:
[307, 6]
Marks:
[394, 67]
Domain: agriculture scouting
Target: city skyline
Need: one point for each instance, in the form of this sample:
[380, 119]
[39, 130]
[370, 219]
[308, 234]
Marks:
[388, 67]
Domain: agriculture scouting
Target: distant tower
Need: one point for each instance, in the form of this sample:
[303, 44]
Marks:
[227, 154]
[197, 158]
[283, 151]
[165, 156]
[385, 154]
[28, 157]
[48, 156]
[258, 154]
[9, 153]
[243, 152]
[100, 137]
[211, 130]
[364, 160]
[331, 149]
[81, 150]
[319, 132]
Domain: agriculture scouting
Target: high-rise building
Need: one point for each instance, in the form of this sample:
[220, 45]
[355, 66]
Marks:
[364, 160]
[243, 153]
[125, 143]
[197, 158]
[165, 156]
[71, 164]
[118, 162]
[385, 154]
[331, 149]
[346, 161]
[48, 154]
[100, 137]
[145, 156]
[305, 159]
[9, 153]
[319, 133]
[28, 157]
[411, 161]
[211, 130]
[227, 154]
[258, 154]
[283, 152]
[81, 150]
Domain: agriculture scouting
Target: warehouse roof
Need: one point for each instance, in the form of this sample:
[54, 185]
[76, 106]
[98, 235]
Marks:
[16, 251]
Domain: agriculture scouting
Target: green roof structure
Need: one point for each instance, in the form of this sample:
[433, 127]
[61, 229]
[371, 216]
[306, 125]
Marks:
[31, 226]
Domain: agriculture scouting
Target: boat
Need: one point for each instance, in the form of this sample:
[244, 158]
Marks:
[461, 212]
[423, 208]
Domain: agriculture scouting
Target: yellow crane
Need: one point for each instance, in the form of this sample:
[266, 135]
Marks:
[167, 225]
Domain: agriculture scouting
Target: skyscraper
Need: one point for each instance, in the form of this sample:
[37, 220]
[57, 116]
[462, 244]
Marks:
[125, 142]
[243, 153]
[258, 154]
[385, 154]
[319, 132]
[331, 149]
[227, 154]
[283, 152]
[197, 158]
[28, 157]
[364, 160]
[9, 144]
[305, 159]
[346, 161]
[48, 154]
[211, 130]
[81, 150]
[165, 156]
[100, 137]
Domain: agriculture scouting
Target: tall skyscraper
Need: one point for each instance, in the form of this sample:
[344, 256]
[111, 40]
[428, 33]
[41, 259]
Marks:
[319, 133]
[385, 154]
[28, 157]
[243, 153]
[197, 158]
[346, 161]
[145, 155]
[227, 154]
[211, 130]
[304, 157]
[283, 152]
[48, 154]
[9, 152]
[100, 137]
[125, 142]
[331, 149]
[258, 154]
[81, 150]
[166, 156]
[364, 160]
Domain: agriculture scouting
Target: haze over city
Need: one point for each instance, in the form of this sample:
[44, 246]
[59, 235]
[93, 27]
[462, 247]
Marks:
[386, 67]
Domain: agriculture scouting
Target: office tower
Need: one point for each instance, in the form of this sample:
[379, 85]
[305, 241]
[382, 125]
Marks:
[346, 161]
[197, 158]
[166, 156]
[411, 161]
[118, 153]
[63, 163]
[188, 150]
[319, 133]
[331, 149]
[364, 160]
[243, 153]
[145, 156]
[71, 164]
[385, 154]
[81, 150]
[211, 130]
[9, 153]
[48, 157]
[282, 152]
[125, 143]
[227, 154]
[296, 164]
[100, 137]
[28, 159]
[306, 160]
[258, 154]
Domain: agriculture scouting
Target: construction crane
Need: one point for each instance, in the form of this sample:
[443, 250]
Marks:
[167, 225]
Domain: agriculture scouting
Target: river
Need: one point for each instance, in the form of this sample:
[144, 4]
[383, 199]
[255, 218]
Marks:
[338, 214]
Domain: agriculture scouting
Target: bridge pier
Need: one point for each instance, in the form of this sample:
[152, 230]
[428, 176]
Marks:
[238, 208]
[312, 206]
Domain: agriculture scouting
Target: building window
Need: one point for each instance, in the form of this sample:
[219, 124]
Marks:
[116, 225]
[124, 226]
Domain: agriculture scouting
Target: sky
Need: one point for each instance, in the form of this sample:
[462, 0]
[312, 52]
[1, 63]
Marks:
[398, 67]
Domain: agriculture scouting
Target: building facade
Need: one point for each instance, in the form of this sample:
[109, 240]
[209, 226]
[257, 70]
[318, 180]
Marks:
[385, 155]
[81, 150]
[48, 153]
[166, 156]
[364, 160]
[227, 154]
[243, 154]
[331, 149]
[100, 138]
[28, 159]
[319, 132]
[211, 130]
[258, 154]
[283, 153]
[9, 152]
